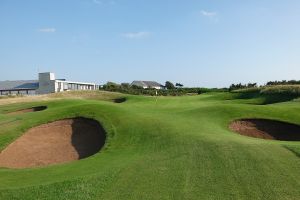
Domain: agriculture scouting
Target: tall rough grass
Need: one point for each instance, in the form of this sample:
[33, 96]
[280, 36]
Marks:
[293, 90]
[269, 94]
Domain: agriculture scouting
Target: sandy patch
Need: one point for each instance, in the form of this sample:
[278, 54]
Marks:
[266, 129]
[57, 142]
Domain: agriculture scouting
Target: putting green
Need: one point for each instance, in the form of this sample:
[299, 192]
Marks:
[164, 148]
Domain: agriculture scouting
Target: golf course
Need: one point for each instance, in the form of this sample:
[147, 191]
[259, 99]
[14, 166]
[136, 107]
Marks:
[185, 147]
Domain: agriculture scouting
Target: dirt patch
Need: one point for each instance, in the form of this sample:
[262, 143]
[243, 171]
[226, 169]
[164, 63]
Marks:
[27, 110]
[57, 142]
[267, 129]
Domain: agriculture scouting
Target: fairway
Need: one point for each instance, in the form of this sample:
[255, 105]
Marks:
[158, 148]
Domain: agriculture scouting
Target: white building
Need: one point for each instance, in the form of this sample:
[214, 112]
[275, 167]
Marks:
[45, 85]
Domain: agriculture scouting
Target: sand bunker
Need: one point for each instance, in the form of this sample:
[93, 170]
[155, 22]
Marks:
[120, 100]
[33, 109]
[57, 142]
[267, 129]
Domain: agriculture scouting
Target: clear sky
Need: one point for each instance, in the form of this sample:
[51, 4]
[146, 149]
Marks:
[208, 43]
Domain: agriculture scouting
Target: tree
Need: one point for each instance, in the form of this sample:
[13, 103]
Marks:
[169, 85]
[125, 85]
[251, 85]
[136, 87]
[179, 85]
[111, 86]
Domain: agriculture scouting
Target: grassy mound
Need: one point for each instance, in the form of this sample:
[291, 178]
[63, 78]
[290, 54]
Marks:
[160, 148]
[268, 94]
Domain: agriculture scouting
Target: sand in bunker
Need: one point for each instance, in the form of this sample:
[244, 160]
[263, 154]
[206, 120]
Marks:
[53, 143]
[33, 109]
[266, 129]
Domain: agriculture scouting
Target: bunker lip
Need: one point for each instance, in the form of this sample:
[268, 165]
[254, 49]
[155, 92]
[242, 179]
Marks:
[54, 143]
[33, 109]
[120, 100]
[266, 129]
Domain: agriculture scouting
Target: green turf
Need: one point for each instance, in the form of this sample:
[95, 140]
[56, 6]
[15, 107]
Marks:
[164, 148]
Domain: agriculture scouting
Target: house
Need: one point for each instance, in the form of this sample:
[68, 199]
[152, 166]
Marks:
[148, 84]
[44, 85]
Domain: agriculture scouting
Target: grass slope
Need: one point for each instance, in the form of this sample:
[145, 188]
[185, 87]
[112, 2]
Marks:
[165, 148]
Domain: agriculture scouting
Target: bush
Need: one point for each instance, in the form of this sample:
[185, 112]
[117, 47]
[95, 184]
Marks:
[136, 90]
[284, 82]
[241, 86]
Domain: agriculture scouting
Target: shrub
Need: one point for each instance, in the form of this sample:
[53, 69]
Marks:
[136, 90]
[169, 85]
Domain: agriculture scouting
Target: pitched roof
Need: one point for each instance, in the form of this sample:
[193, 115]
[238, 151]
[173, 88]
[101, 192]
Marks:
[19, 85]
[149, 84]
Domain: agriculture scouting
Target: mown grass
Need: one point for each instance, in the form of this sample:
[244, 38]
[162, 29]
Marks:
[161, 148]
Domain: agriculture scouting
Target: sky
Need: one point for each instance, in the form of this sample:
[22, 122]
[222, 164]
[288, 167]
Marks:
[199, 43]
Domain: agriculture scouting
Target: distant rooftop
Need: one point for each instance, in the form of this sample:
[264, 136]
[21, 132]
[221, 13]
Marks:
[21, 85]
[149, 84]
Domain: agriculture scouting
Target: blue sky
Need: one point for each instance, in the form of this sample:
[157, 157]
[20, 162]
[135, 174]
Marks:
[208, 43]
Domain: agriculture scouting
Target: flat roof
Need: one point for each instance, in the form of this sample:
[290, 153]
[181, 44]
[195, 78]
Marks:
[19, 85]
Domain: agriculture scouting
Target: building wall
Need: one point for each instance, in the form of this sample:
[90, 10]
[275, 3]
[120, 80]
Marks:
[17, 92]
[46, 83]
[157, 88]
[61, 86]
